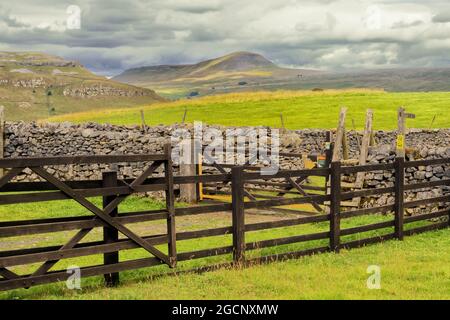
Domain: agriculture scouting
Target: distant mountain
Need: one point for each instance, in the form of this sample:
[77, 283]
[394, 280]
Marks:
[235, 69]
[246, 71]
[35, 85]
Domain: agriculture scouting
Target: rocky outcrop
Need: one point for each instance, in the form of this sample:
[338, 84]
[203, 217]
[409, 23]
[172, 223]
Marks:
[25, 83]
[104, 90]
[51, 63]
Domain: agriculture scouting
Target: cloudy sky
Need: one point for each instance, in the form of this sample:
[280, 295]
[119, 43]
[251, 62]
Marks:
[113, 35]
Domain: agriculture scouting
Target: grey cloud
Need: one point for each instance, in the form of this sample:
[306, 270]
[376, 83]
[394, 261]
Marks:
[12, 22]
[403, 24]
[443, 17]
[198, 9]
[326, 34]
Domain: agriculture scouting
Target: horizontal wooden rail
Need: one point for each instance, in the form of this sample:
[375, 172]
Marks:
[269, 183]
[368, 167]
[184, 256]
[229, 166]
[287, 240]
[287, 255]
[202, 178]
[427, 185]
[88, 184]
[286, 223]
[19, 228]
[259, 150]
[47, 186]
[362, 242]
[56, 161]
[432, 215]
[322, 172]
[429, 162]
[179, 212]
[390, 166]
[366, 193]
[368, 227]
[430, 227]
[286, 201]
[416, 203]
[294, 211]
[367, 211]
[283, 185]
[59, 195]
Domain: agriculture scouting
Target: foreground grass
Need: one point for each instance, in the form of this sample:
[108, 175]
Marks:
[301, 109]
[416, 268]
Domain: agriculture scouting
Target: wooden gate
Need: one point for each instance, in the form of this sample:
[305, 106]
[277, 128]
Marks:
[113, 191]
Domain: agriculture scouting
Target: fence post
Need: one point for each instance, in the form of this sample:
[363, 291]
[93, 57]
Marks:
[110, 234]
[2, 136]
[328, 156]
[335, 206]
[399, 196]
[237, 194]
[170, 206]
[144, 126]
[188, 167]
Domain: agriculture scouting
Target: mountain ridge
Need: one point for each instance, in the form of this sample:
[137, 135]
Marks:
[231, 69]
[247, 71]
[242, 62]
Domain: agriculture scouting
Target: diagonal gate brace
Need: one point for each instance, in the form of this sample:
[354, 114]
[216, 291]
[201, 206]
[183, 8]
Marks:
[101, 214]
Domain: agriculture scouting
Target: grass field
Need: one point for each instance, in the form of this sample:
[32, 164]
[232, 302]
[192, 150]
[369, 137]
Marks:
[301, 109]
[415, 268]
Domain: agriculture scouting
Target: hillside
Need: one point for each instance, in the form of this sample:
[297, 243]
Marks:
[36, 85]
[301, 109]
[245, 71]
[238, 69]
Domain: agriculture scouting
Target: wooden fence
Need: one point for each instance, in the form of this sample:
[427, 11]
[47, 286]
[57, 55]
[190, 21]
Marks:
[114, 191]
[258, 188]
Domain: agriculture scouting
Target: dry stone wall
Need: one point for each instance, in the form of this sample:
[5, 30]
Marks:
[63, 139]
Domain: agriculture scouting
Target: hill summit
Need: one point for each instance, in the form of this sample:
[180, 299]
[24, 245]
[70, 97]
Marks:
[241, 60]
[234, 64]
[234, 69]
